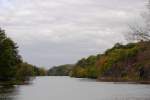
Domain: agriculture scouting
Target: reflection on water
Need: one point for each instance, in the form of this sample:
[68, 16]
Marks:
[65, 88]
[7, 92]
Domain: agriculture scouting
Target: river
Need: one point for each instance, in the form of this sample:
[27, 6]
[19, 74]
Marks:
[66, 88]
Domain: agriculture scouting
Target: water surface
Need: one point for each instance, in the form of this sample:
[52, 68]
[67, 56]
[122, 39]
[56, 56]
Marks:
[66, 88]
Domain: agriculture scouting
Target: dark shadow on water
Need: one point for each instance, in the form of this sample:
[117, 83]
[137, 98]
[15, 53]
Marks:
[6, 88]
[130, 98]
[111, 82]
[87, 80]
[7, 92]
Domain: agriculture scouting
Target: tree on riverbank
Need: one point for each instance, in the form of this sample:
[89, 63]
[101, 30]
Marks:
[129, 62]
[9, 57]
[12, 67]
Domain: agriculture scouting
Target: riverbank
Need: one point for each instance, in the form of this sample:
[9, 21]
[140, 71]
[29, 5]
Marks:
[124, 81]
[125, 63]
[117, 80]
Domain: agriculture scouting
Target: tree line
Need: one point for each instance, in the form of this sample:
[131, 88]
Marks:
[62, 70]
[12, 66]
[129, 62]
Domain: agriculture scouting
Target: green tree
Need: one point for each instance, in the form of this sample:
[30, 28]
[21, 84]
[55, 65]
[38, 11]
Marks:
[24, 71]
[9, 57]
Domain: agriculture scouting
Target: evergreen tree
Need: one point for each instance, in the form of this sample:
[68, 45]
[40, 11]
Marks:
[9, 57]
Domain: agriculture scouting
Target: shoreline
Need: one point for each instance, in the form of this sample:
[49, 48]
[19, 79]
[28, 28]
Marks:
[120, 80]
[125, 81]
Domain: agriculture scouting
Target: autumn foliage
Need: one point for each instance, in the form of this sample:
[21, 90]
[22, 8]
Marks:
[120, 63]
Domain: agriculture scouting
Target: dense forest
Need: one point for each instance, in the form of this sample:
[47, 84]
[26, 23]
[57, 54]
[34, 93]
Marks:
[120, 63]
[12, 67]
[129, 62]
[62, 70]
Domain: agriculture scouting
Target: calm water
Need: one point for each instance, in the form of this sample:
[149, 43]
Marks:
[65, 88]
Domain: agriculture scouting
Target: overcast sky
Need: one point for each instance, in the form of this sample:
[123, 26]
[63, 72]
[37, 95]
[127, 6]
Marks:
[54, 32]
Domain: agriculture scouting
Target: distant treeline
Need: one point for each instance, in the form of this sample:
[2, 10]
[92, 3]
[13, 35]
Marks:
[62, 70]
[12, 68]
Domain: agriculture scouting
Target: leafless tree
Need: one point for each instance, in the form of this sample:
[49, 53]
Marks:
[141, 32]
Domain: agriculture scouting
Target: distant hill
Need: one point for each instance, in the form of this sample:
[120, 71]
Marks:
[62, 70]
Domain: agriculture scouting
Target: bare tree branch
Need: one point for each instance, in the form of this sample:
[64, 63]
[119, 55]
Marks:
[142, 32]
